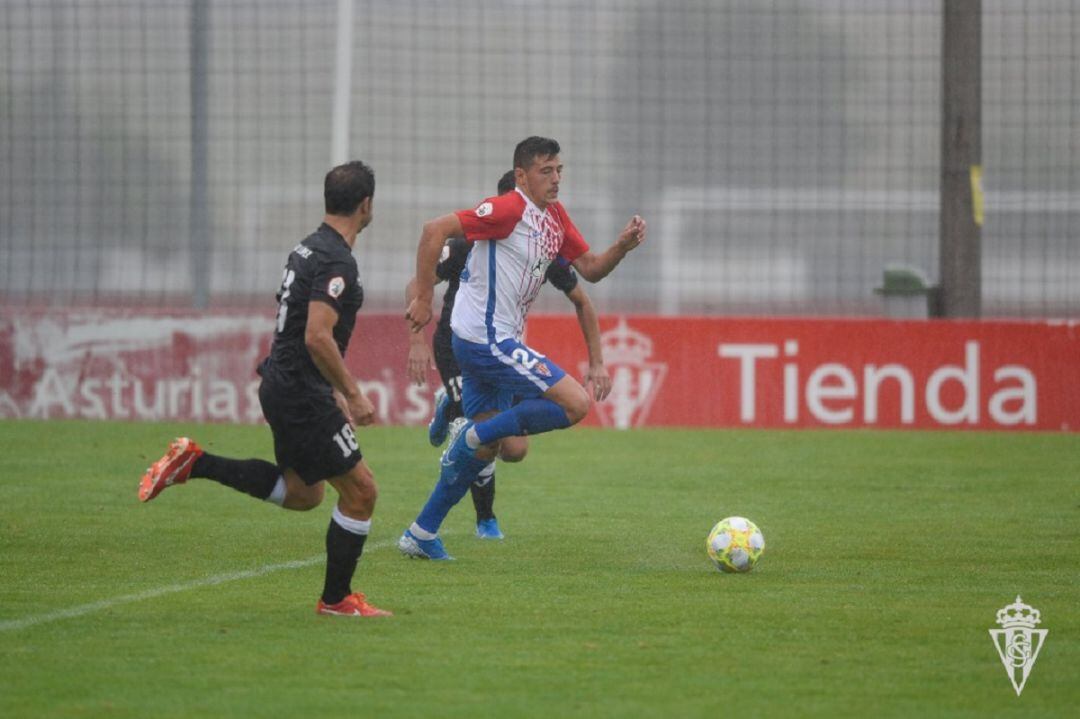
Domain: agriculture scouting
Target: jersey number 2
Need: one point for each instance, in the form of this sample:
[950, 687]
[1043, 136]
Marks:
[523, 357]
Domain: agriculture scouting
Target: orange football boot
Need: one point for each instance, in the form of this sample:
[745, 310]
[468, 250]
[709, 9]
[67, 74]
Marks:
[354, 605]
[173, 468]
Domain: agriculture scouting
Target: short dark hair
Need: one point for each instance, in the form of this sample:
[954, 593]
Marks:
[346, 186]
[533, 147]
[507, 182]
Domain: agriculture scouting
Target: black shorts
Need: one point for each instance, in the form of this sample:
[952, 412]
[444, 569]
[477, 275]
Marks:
[447, 365]
[311, 435]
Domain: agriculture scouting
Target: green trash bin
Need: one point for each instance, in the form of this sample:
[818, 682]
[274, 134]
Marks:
[906, 293]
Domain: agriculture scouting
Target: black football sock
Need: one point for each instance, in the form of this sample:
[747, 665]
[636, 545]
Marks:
[453, 411]
[345, 539]
[483, 497]
[250, 476]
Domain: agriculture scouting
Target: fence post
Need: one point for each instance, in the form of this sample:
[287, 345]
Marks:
[961, 159]
[339, 132]
[201, 242]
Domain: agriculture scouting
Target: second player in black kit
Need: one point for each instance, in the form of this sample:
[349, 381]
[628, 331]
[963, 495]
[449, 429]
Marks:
[309, 398]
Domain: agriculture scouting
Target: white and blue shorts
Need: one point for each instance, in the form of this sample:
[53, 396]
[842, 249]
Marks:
[495, 376]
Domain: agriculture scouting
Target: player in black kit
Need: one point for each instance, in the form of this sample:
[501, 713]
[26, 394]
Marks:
[308, 397]
[448, 398]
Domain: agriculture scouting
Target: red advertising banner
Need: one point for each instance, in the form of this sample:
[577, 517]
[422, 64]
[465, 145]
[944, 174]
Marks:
[186, 365]
[722, 372]
[719, 372]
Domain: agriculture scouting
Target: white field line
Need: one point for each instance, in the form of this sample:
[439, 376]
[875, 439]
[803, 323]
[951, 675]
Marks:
[84, 609]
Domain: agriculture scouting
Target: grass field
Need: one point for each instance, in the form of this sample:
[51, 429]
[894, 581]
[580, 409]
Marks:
[889, 554]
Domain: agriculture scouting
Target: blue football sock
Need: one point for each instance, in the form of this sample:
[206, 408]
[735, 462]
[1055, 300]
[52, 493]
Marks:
[454, 482]
[532, 416]
[439, 504]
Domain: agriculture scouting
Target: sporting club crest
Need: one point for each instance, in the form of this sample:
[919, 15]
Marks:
[1018, 641]
[635, 378]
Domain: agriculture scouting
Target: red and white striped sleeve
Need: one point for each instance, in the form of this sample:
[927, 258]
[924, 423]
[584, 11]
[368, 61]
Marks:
[494, 218]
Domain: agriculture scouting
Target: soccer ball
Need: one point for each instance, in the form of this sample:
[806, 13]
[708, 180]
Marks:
[735, 544]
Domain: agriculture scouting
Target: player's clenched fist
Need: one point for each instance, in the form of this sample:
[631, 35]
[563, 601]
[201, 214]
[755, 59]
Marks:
[361, 409]
[418, 314]
[633, 234]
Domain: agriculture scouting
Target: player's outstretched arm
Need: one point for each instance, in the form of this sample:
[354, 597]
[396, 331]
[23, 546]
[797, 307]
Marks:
[597, 374]
[595, 267]
[435, 233]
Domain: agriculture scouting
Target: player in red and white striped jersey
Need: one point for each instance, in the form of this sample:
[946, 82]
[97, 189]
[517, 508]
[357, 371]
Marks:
[515, 237]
